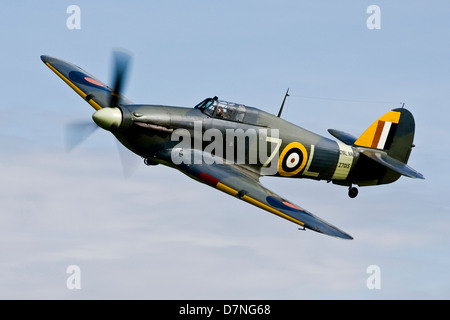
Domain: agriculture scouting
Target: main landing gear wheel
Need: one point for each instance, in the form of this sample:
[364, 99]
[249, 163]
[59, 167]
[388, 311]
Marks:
[150, 162]
[352, 192]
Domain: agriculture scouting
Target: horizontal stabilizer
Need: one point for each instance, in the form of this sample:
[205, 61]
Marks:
[345, 137]
[391, 163]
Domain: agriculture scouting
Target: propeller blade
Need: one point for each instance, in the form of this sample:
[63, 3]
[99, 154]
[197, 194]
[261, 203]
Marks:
[77, 132]
[107, 118]
[128, 159]
[121, 61]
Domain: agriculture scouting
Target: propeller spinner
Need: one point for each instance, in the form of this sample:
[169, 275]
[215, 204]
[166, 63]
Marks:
[108, 118]
[111, 118]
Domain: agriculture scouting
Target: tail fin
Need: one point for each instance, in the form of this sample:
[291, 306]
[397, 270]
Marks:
[388, 141]
[392, 133]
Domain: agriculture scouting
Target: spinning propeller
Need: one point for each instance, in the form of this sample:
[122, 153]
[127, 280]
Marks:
[108, 118]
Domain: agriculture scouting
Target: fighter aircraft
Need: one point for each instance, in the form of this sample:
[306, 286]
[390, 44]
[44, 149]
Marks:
[229, 146]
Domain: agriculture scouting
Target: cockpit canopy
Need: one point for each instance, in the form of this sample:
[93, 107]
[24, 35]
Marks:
[222, 109]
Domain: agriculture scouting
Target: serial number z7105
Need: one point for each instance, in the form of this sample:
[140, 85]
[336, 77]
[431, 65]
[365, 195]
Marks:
[344, 165]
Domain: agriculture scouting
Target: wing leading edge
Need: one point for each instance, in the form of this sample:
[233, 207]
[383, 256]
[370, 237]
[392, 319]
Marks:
[243, 184]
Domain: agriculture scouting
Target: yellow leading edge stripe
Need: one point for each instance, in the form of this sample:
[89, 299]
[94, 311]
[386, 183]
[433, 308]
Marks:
[257, 203]
[94, 104]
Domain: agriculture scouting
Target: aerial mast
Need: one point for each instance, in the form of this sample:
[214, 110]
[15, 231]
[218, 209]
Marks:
[282, 104]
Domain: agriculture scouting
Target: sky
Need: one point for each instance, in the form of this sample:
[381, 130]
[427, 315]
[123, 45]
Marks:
[156, 234]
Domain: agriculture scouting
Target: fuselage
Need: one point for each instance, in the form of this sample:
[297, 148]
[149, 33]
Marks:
[254, 139]
[250, 143]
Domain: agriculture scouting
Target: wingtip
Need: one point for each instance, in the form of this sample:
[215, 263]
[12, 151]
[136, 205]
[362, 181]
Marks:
[342, 235]
[348, 237]
[49, 59]
[323, 227]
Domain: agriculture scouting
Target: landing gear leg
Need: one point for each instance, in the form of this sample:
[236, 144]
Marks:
[352, 192]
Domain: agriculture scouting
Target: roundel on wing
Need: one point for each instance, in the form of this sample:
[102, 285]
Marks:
[81, 78]
[292, 159]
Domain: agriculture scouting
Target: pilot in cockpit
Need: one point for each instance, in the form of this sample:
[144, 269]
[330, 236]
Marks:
[219, 113]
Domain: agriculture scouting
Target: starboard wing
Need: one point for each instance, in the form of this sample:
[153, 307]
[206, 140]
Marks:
[243, 184]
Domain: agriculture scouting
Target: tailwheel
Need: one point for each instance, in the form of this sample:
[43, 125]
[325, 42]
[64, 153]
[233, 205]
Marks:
[352, 192]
